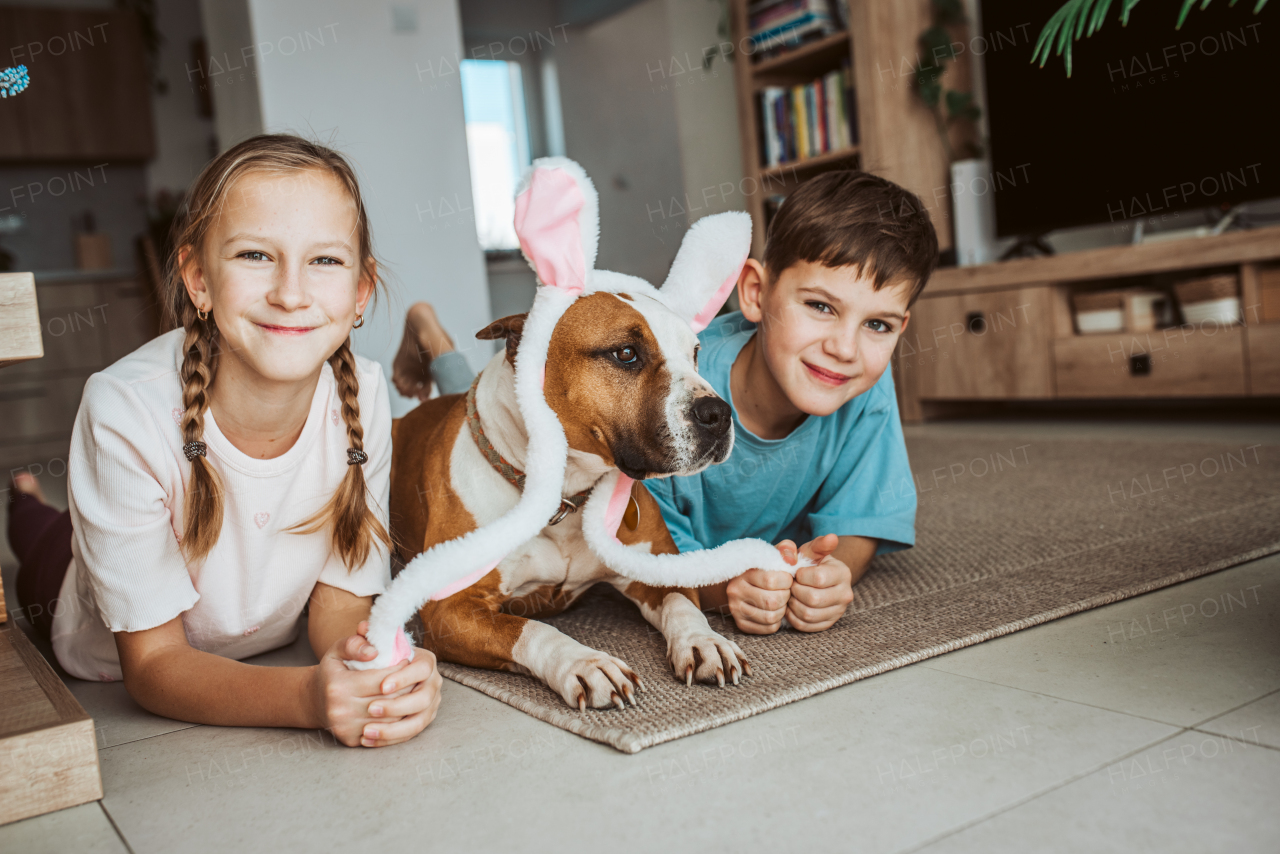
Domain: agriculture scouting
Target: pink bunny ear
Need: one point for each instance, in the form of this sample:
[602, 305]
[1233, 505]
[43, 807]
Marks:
[558, 222]
[707, 266]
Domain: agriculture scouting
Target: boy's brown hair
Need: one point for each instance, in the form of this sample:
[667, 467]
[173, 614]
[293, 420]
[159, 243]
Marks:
[854, 218]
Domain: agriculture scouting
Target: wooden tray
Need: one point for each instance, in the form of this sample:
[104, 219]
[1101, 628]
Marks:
[48, 750]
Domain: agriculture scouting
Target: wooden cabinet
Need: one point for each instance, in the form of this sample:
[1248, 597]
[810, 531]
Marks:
[36, 411]
[1003, 332]
[89, 97]
[71, 329]
[86, 321]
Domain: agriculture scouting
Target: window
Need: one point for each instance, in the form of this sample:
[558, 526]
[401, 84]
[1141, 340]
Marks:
[497, 145]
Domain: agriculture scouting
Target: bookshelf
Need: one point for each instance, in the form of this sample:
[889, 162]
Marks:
[896, 135]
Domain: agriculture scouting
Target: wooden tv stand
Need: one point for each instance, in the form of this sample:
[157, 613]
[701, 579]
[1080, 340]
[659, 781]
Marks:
[1004, 331]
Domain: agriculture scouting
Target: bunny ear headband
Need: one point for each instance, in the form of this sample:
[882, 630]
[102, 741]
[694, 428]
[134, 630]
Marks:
[557, 220]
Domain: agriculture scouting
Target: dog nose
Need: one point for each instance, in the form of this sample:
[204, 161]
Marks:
[712, 415]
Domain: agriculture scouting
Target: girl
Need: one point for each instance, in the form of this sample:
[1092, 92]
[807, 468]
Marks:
[236, 469]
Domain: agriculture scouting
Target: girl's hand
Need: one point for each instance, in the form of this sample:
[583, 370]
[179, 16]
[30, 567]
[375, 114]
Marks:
[374, 708]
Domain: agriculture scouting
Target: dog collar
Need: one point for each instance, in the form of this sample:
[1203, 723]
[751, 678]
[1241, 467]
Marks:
[513, 475]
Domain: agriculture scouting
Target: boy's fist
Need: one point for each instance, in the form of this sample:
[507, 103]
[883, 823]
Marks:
[820, 594]
[758, 599]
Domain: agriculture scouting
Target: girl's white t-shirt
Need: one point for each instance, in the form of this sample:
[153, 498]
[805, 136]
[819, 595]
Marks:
[127, 478]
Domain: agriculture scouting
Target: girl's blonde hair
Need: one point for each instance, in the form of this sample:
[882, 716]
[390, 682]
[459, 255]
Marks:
[355, 527]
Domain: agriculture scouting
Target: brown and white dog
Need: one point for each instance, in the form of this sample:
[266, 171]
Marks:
[621, 375]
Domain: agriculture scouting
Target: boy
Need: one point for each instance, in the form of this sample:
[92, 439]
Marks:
[804, 365]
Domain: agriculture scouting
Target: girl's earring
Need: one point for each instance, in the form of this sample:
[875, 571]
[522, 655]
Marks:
[359, 321]
[202, 314]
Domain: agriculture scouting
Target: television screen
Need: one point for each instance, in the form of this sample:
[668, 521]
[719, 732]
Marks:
[1153, 122]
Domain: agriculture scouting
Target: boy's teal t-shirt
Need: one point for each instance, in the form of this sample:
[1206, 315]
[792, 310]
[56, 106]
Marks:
[845, 473]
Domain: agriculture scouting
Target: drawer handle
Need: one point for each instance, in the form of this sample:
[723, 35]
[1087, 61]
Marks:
[976, 322]
[1140, 365]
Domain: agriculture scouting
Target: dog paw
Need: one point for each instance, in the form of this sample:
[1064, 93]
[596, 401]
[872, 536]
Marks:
[597, 681]
[707, 657]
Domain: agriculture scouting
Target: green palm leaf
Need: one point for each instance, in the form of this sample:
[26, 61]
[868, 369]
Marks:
[1077, 18]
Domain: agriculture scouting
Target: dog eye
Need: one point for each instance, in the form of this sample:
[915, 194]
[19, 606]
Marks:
[626, 355]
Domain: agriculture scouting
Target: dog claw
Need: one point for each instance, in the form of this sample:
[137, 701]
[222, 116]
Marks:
[720, 676]
[733, 674]
[746, 667]
[602, 681]
[688, 676]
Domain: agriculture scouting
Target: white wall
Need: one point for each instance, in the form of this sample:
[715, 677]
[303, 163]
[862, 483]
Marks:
[620, 124]
[706, 106]
[389, 99]
[657, 133]
[652, 129]
[230, 77]
[185, 140]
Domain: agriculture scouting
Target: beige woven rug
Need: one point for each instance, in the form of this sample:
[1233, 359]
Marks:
[1010, 534]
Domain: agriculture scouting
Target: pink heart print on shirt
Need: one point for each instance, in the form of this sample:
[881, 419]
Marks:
[177, 415]
[333, 415]
[260, 518]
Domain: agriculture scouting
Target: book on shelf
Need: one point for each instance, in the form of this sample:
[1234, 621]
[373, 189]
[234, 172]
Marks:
[776, 26]
[801, 122]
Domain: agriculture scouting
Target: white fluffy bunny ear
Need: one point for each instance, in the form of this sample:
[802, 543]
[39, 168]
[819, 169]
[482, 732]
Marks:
[558, 222]
[707, 266]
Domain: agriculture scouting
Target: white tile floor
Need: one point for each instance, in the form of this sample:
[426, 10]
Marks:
[1149, 725]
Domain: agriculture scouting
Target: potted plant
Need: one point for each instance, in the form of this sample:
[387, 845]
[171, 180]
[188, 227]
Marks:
[1085, 17]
